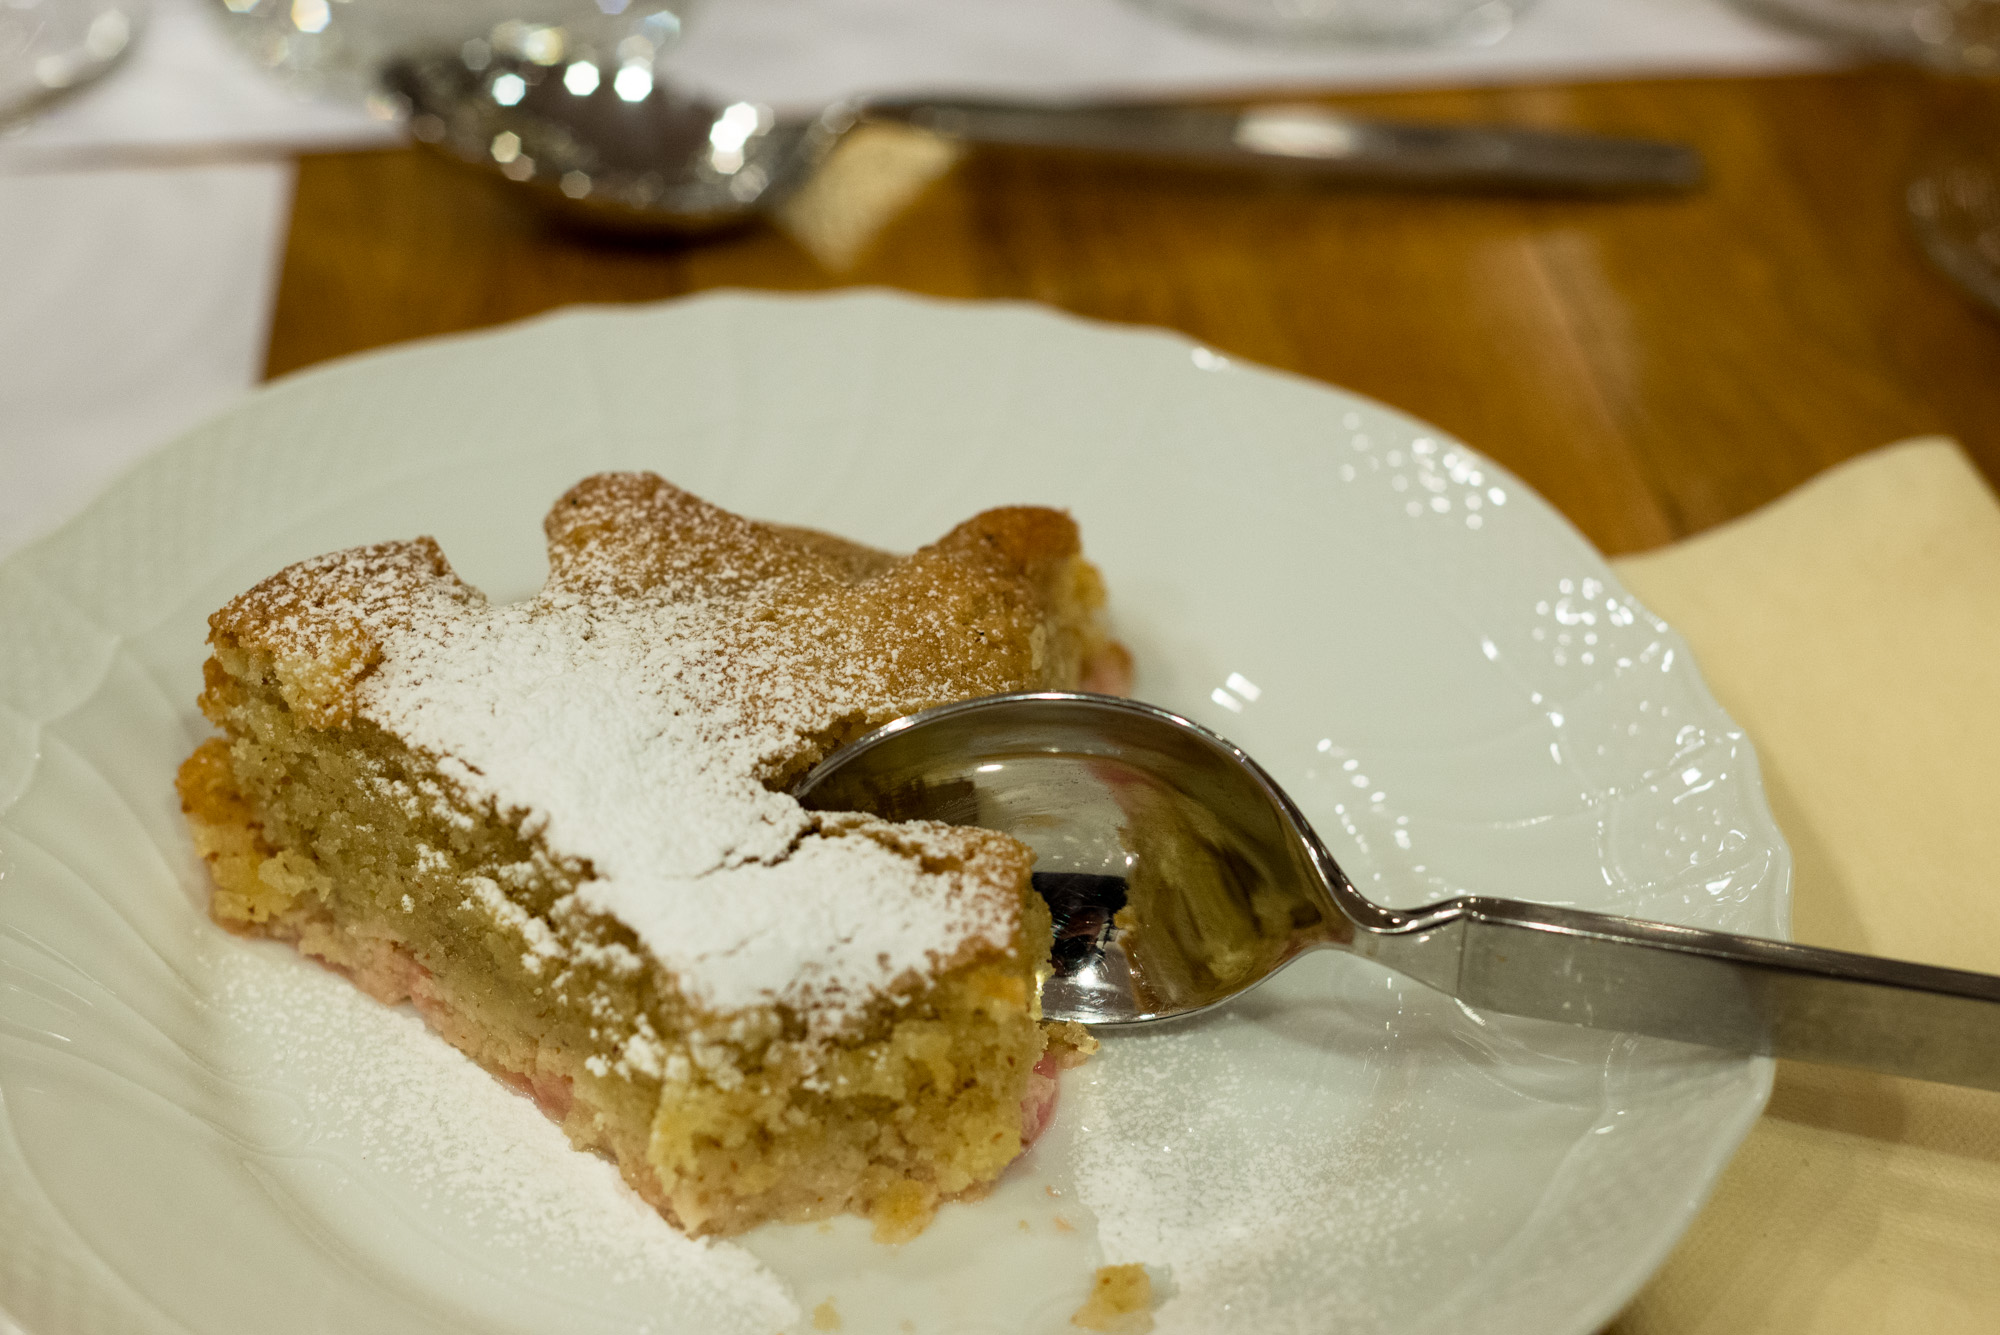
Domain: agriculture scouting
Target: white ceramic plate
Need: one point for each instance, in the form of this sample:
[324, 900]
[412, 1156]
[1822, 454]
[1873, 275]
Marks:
[205, 1135]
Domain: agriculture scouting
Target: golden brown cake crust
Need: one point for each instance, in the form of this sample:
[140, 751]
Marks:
[322, 620]
[989, 585]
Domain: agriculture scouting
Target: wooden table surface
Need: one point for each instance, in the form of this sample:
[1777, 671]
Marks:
[1651, 365]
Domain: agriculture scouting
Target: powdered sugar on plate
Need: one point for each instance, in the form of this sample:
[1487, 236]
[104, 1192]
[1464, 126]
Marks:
[385, 1099]
[1231, 1158]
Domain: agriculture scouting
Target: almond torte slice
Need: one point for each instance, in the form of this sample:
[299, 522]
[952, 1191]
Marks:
[559, 827]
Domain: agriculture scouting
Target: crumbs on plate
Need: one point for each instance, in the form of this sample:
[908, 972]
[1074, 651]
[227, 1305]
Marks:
[1120, 1302]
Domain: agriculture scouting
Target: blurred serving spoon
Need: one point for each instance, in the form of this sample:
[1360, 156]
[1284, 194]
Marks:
[1180, 875]
[615, 147]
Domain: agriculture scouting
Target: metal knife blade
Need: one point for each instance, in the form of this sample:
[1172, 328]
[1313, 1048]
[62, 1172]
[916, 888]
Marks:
[1318, 142]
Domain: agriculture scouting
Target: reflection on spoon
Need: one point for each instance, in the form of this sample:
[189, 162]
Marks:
[1225, 883]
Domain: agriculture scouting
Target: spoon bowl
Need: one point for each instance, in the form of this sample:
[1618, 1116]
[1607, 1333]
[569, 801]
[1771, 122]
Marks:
[1180, 875]
[610, 150]
[1136, 816]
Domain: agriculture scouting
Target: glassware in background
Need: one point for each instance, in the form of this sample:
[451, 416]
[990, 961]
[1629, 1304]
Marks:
[1354, 22]
[339, 47]
[1962, 35]
[51, 48]
[1954, 196]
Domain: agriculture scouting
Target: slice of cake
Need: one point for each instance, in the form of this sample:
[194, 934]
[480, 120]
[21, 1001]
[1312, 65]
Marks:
[559, 827]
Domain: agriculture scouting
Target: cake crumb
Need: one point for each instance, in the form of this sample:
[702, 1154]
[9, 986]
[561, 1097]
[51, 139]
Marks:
[1120, 1302]
[902, 1211]
[1069, 1043]
[1063, 1225]
[825, 1317]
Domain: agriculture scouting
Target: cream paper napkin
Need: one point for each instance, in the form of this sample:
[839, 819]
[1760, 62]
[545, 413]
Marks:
[1853, 627]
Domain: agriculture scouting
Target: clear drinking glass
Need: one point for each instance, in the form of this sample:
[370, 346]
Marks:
[1354, 22]
[340, 47]
[1947, 34]
[1954, 196]
[51, 48]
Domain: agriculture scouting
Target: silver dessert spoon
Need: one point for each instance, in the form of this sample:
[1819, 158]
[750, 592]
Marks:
[612, 147]
[1180, 876]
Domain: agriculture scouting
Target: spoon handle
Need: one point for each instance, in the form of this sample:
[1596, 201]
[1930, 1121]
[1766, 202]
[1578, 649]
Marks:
[1317, 141]
[1737, 992]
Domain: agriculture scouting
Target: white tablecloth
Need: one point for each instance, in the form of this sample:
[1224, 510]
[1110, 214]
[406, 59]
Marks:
[805, 53]
[135, 304]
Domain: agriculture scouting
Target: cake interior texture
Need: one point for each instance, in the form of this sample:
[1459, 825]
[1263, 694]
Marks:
[559, 829]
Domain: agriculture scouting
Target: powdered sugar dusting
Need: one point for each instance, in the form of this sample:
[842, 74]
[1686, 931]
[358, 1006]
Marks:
[636, 716]
[636, 741]
[383, 1095]
[618, 726]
